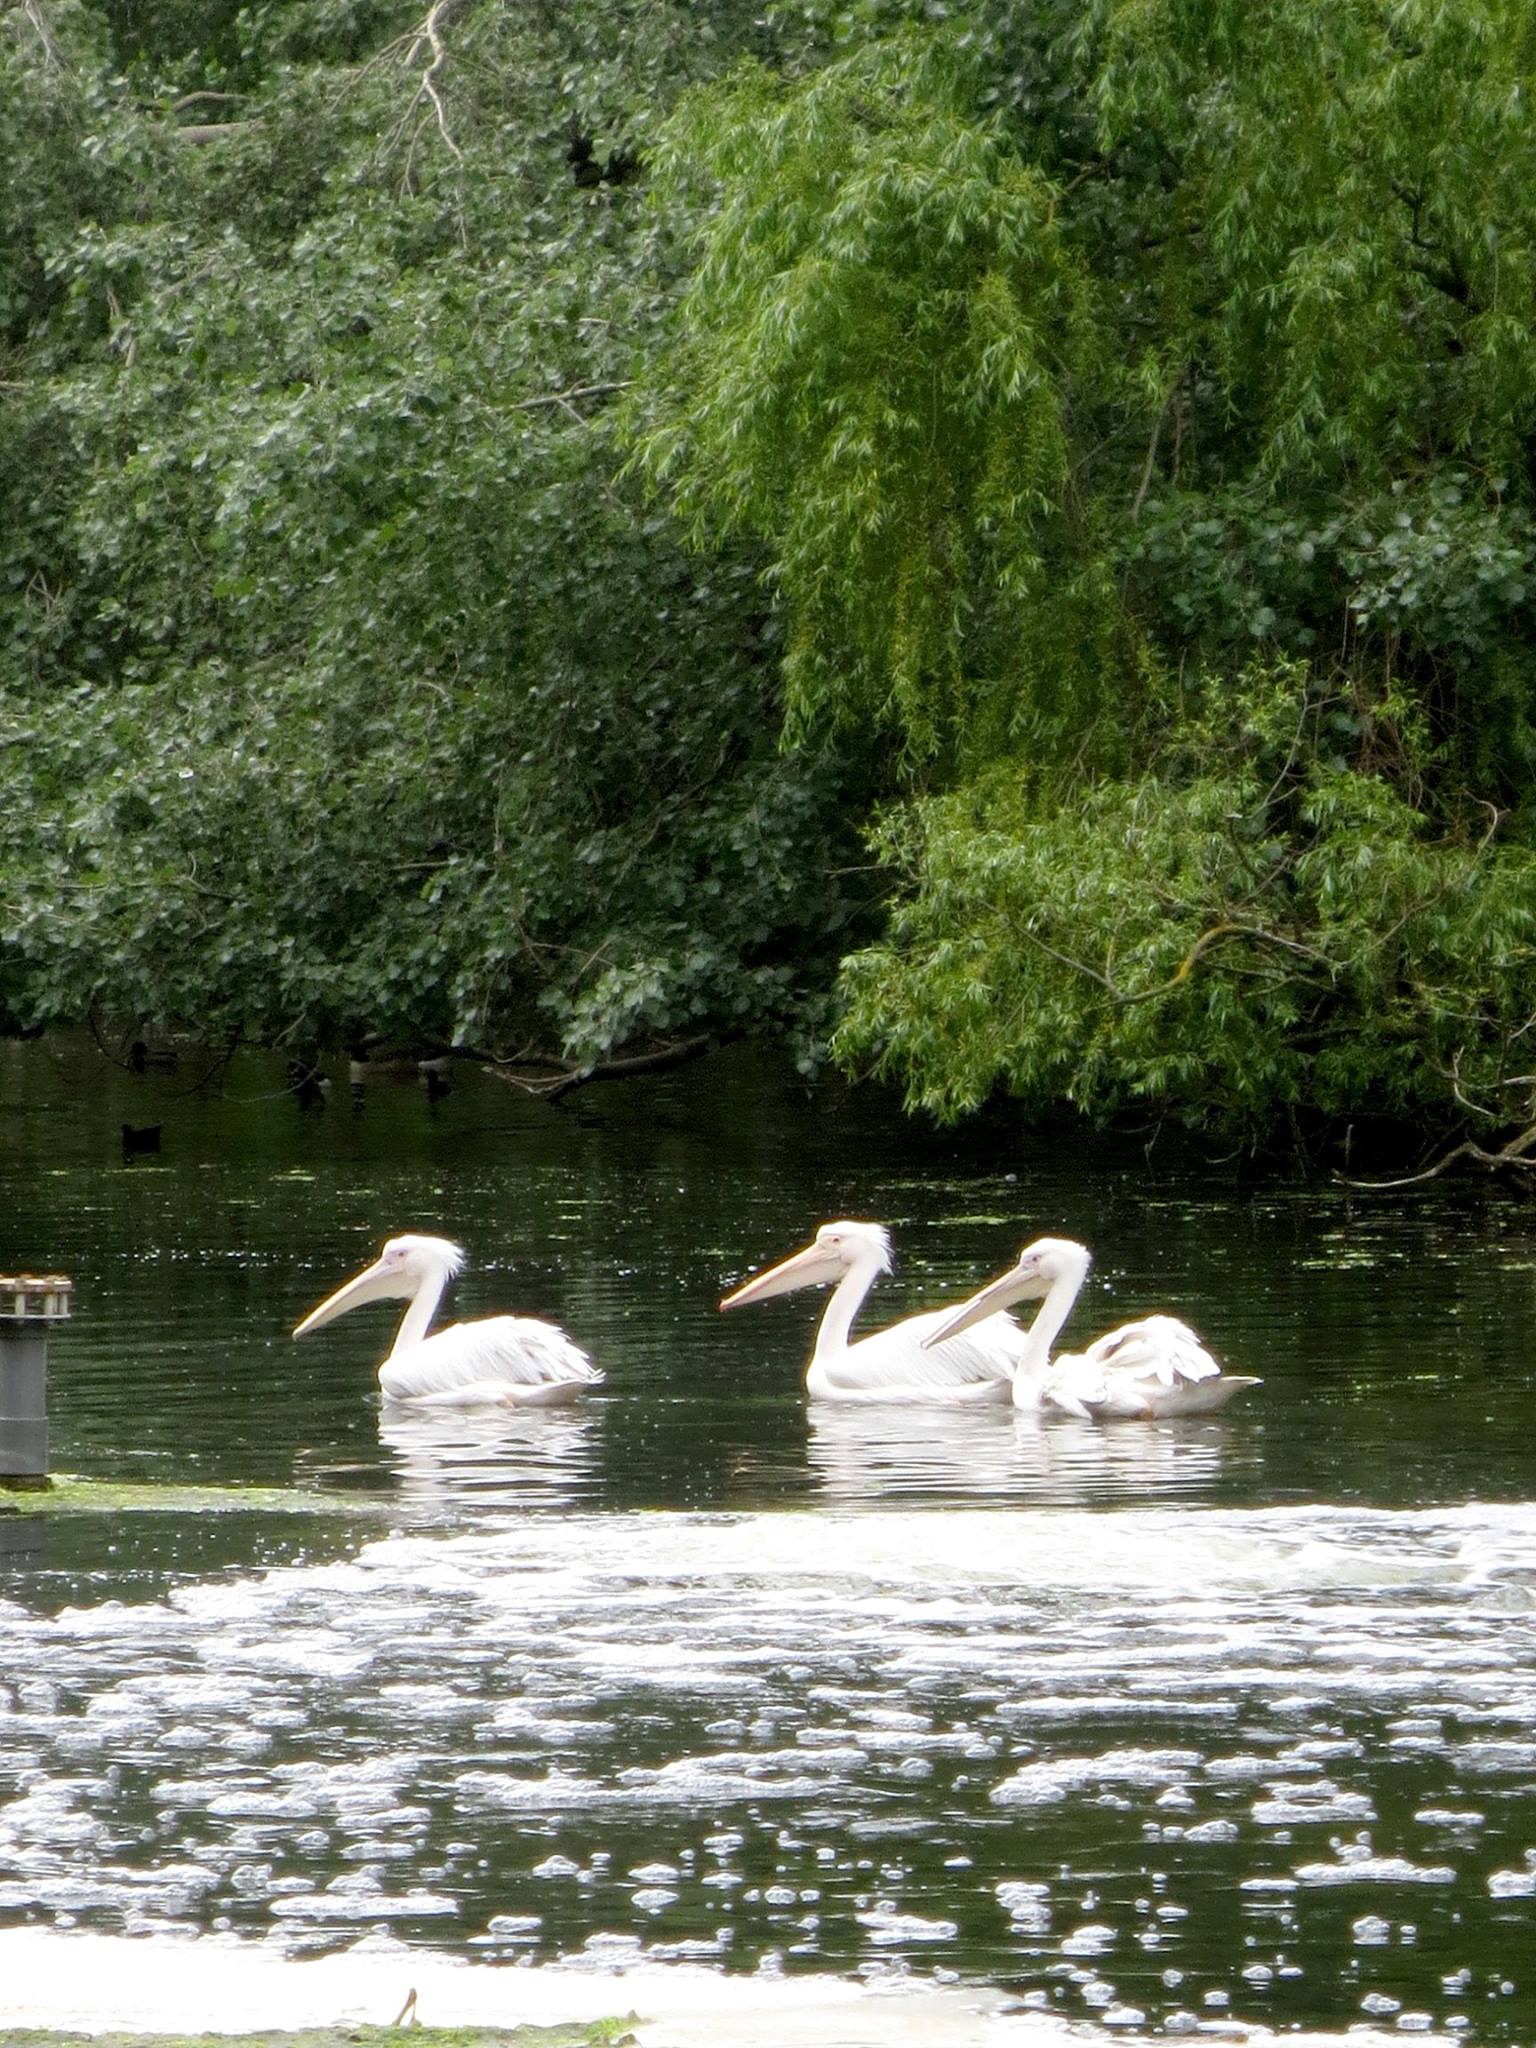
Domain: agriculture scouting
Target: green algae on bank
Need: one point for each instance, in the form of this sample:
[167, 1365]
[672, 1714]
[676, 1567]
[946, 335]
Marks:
[69, 1493]
[597, 2034]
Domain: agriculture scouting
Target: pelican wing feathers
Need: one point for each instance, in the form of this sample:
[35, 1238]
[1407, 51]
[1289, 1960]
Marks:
[892, 1365]
[508, 1359]
[1151, 1368]
[1160, 1347]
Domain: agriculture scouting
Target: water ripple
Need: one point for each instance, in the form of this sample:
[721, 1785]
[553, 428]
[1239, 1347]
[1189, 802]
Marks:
[1029, 1740]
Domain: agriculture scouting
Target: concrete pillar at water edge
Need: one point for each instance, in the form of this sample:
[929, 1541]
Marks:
[28, 1304]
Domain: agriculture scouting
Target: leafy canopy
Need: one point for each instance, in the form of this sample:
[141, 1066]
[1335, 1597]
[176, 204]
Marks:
[494, 501]
[348, 692]
[1239, 305]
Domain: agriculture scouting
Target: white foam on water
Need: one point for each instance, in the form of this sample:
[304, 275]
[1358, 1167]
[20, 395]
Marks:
[1375, 1870]
[1169, 1552]
[1202, 1679]
[89, 1983]
[1048, 1784]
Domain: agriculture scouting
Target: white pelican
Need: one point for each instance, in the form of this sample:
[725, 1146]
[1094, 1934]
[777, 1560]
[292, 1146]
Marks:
[894, 1364]
[506, 1361]
[1148, 1369]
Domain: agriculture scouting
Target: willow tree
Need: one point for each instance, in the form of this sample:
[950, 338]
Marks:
[1136, 404]
[868, 374]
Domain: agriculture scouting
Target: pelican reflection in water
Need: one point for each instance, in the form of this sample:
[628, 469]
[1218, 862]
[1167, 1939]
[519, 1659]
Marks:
[908, 1362]
[502, 1361]
[872, 1452]
[447, 1457]
[971, 1455]
[1143, 1370]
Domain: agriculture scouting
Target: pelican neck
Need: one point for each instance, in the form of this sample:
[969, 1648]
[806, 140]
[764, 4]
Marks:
[847, 1299]
[1052, 1313]
[417, 1320]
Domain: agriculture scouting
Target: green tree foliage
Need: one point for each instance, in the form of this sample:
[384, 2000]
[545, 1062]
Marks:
[1250, 928]
[1222, 677]
[870, 349]
[343, 688]
[495, 498]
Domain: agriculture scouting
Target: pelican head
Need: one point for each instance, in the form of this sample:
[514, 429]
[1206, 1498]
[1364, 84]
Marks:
[1031, 1277]
[833, 1251]
[405, 1265]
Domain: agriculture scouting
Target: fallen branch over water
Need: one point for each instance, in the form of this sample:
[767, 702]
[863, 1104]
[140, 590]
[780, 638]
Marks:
[1518, 1154]
[555, 1077]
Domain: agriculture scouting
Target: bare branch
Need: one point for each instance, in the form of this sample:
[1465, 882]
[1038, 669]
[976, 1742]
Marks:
[215, 131]
[565, 398]
[1066, 960]
[430, 33]
[429, 77]
[196, 99]
[1515, 1154]
[549, 1086]
[1452, 1073]
[1216, 934]
[1157, 433]
[33, 11]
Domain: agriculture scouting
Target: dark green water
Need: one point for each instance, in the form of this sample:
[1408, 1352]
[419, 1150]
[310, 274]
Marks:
[1229, 1719]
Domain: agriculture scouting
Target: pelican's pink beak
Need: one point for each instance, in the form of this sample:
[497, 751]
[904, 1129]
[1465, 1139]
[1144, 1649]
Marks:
[813, 1267]
[1004, 1291]
[384, 1280]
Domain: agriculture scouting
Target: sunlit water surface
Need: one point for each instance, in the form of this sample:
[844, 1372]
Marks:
[1153, 1725]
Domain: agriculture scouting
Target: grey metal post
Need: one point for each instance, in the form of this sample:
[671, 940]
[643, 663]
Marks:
[28, 1304]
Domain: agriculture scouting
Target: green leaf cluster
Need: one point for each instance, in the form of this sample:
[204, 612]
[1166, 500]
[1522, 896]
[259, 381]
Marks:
[1250, 929]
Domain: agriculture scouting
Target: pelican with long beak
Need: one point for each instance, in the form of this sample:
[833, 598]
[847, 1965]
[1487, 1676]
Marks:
[893, 1364]
[500, 1361]
[1144, 1370]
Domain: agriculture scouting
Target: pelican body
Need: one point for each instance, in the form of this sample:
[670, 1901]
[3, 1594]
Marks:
[905, 1363]
[501, 1361]
[1143, 1370]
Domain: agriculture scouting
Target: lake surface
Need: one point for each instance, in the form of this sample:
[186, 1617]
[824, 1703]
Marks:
[1151, 1724]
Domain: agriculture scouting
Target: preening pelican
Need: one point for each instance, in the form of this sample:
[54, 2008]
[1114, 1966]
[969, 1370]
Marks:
[1147, 1369]
[894, 1364]
[507, 1361]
